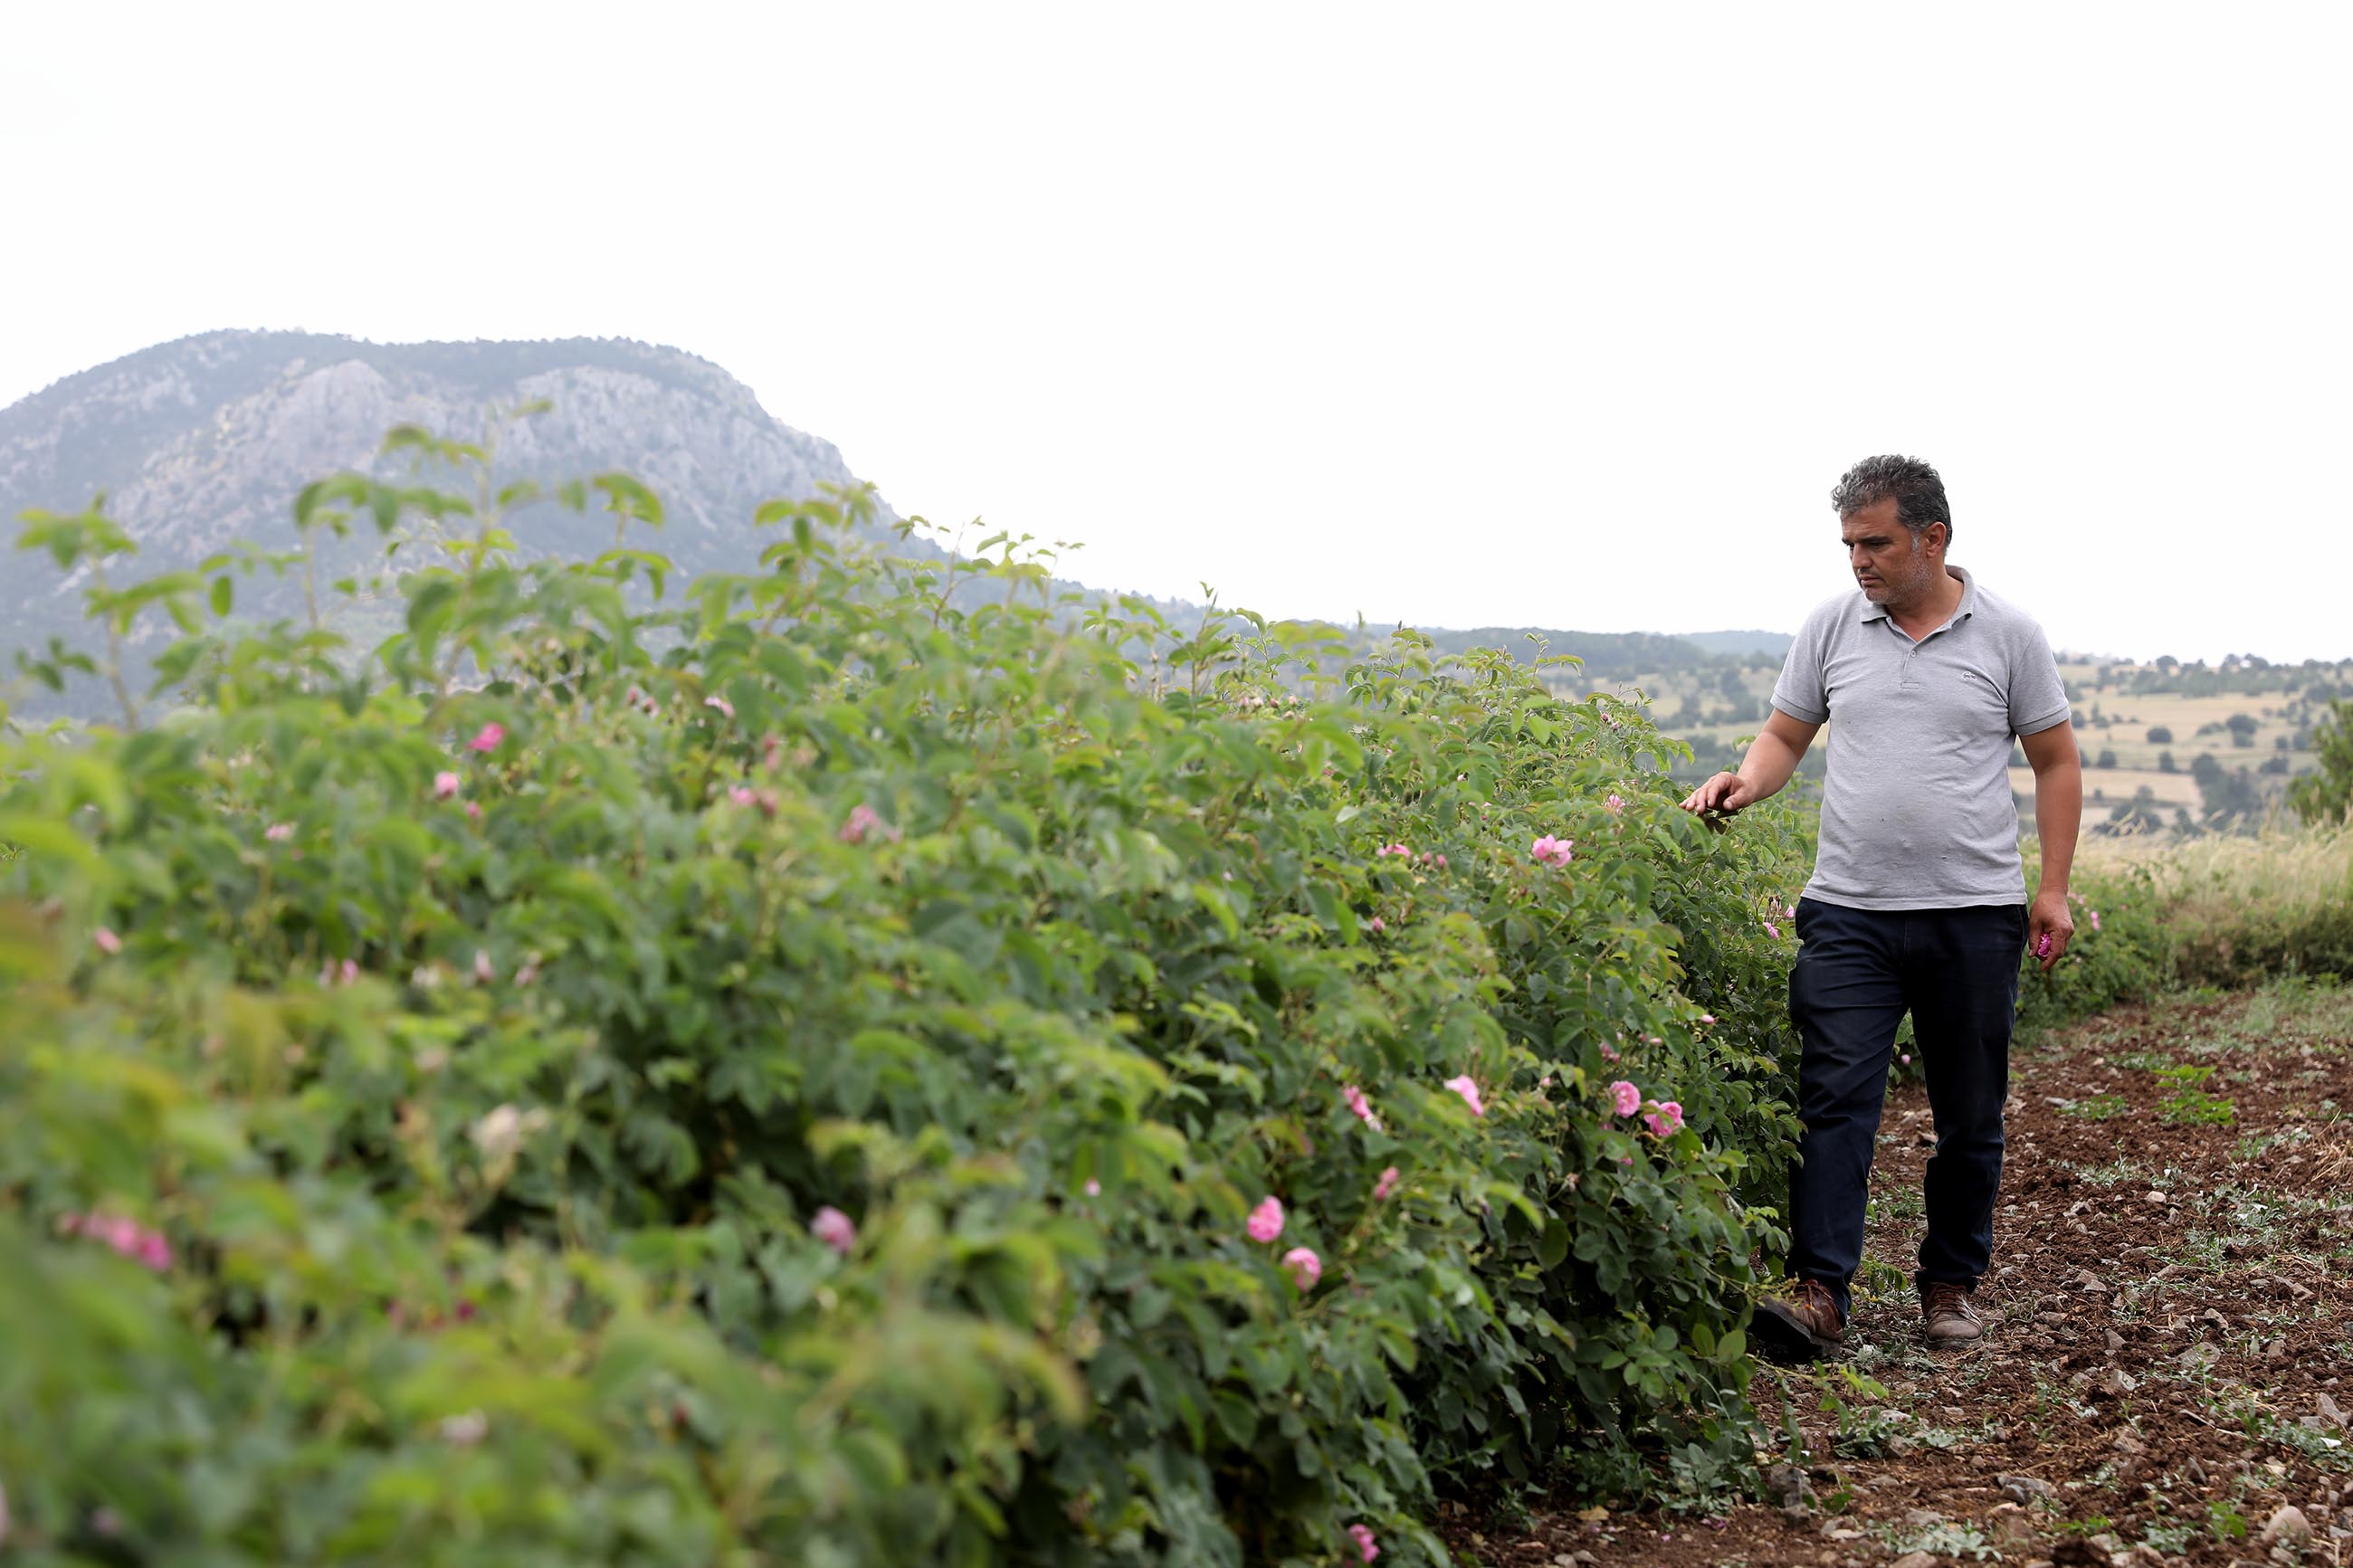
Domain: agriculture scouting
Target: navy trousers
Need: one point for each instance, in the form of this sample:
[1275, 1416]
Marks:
[1858, 972]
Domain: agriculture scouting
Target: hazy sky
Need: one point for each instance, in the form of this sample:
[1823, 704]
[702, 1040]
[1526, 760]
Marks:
[1463, 315]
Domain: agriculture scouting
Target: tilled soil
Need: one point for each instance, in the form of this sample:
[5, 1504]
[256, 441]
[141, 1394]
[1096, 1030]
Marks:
[2171, 1357]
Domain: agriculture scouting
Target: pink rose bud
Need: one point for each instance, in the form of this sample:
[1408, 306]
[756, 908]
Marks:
[2043, 945]
[487, 739]
[1266, 1220]
[834, 1228]
[444, 786]
[1305, 1266]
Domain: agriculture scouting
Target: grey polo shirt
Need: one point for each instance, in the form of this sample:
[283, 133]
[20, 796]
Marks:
[1916, 812]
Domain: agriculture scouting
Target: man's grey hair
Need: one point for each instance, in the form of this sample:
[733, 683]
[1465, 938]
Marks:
[1919, 493]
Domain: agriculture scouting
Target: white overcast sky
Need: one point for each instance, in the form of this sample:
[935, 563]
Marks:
[1463, 315]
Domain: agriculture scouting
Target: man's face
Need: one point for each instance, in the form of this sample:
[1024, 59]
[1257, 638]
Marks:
[1893, 565]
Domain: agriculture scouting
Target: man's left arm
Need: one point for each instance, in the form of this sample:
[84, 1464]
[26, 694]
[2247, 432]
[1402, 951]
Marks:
[2058, 815]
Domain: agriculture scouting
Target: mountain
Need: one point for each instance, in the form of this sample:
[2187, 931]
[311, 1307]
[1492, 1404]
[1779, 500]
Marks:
[204, 441]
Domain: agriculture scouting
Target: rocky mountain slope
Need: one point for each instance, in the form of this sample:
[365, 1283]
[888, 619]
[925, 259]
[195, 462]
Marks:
[204, 440]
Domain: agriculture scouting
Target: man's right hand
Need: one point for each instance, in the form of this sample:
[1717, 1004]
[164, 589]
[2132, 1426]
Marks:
[1726, 792]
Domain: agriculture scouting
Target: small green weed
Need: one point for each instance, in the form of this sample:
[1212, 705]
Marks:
[1942, 1540]
[2096, 1108]
[2188, 1102]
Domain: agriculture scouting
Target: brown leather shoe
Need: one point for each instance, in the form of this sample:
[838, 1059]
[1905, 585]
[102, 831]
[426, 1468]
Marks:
[1806, 1327]
[1949, 1314]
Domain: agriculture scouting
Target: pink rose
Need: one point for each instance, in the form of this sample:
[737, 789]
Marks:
[1266, 1220]
[722, 704]
[1359, 1106]
[1387, 1185]
[1468, 1090]
[1624, 1098]
[1666, 1120]
[1305, 1266]
[834, 1228]
[444, 786]
[127, 1237]
[107, 940]
[488, 737]
[1367, 1548]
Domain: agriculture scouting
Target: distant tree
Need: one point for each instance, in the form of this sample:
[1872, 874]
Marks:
[2158, 735]
[2274, 763]
[2326, 794]
[2228, 793]
[2138, 815]
[2243, 728]
[2206, 770]
[2165, 763]
[2076, 719]
[2283, 744]
[2107, 759]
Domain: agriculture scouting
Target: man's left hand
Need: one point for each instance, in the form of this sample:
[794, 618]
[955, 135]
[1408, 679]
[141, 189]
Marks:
[2049, 918]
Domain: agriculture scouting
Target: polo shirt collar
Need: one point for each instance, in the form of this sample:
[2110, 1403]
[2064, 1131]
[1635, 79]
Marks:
[1969, 605]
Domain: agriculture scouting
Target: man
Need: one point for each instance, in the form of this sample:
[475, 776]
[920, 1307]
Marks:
[1918, 901]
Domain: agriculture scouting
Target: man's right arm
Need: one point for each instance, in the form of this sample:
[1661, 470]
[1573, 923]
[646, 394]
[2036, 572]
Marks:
[1772, 758]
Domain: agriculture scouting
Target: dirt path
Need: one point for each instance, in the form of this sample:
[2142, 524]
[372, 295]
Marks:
[2174, 1276]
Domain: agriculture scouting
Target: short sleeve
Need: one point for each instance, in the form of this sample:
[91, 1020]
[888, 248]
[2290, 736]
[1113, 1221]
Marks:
[2038, 698]
[1803, 691]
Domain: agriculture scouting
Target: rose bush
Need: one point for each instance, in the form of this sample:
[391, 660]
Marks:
[787, 1068]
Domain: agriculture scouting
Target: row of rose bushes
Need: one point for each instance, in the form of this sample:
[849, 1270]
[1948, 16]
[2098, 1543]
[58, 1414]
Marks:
[797, 1071]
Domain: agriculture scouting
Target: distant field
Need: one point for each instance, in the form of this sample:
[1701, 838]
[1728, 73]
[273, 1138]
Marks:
[2112, 724]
